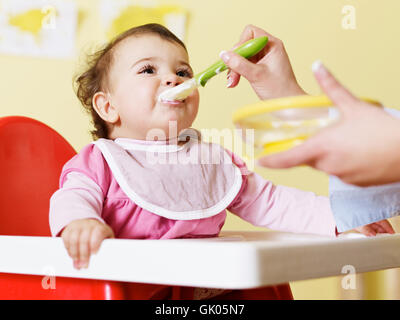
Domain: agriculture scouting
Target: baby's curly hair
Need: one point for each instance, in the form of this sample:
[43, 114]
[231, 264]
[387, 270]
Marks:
[94, 78]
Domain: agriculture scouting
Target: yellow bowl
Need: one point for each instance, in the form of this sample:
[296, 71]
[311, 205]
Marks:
[280, 124]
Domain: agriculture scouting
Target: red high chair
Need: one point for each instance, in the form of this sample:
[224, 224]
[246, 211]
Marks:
[31, 158]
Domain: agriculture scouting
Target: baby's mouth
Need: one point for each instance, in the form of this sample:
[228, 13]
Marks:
[172, 102]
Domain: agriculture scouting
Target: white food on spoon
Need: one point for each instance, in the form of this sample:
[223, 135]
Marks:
[180, 92]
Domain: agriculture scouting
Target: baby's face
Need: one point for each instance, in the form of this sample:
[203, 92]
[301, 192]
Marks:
[145, 66]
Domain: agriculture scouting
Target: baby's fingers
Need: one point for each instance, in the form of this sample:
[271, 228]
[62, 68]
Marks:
[71, 241]
[96, 239]
[377, 227]
[367, 230]
[98, 235]
[84, 249]
[384, 226]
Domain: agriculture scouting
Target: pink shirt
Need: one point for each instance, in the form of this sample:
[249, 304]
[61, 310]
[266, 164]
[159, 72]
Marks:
[88, 189]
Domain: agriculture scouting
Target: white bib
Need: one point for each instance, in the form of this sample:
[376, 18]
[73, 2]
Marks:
[193, 181]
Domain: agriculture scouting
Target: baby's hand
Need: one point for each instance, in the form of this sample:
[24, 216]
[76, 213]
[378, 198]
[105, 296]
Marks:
[372, 229]
[83, 237]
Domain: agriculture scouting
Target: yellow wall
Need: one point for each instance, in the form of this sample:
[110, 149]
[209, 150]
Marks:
[365, 59]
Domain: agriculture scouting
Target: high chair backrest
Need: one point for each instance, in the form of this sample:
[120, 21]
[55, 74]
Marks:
[31, 158]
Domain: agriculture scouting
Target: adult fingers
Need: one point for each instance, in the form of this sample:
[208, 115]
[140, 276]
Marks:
[248, 33]
[233, 79]
[251, 32]
[241, 65]
[343, 99]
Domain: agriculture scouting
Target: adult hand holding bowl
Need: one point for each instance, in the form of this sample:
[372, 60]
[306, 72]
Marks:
[362, 148]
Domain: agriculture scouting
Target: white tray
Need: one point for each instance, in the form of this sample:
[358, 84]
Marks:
[235, 260]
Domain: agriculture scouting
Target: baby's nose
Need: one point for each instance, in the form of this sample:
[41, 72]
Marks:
[172, 80]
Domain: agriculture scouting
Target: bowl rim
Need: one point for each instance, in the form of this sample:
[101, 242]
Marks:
[303, 101]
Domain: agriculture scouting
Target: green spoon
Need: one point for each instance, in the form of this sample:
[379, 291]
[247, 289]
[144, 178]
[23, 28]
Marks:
[182, 91]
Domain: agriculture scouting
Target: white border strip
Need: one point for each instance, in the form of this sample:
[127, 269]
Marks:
[149, 147]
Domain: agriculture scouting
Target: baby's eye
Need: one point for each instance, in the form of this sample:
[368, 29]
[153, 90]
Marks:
[147, 69]
[184, 73]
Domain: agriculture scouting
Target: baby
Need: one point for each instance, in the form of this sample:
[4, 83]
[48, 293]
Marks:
[113, 188]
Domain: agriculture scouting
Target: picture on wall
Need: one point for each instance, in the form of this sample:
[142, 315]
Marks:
[120, 15]
[39, 28]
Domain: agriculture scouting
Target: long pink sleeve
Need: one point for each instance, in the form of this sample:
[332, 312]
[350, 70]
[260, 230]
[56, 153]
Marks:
[282, 208]
[79, 198]
[259, 202]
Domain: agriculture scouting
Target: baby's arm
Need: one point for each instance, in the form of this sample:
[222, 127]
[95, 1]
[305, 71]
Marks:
[262, 203]
[75, 214]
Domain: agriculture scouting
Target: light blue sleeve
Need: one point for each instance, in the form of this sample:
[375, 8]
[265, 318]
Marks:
[356, 206]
